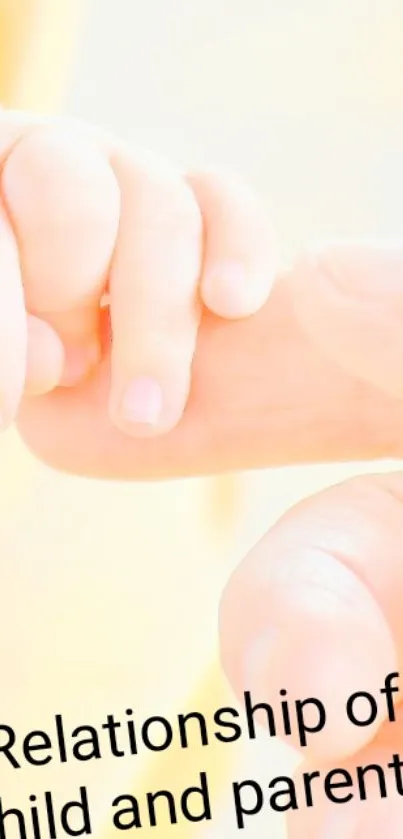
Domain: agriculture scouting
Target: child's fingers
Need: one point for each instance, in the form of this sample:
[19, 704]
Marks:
[154, 304]
[13, 325]
[63, 201]
[263, 394]
[239, 245]
[320, 599]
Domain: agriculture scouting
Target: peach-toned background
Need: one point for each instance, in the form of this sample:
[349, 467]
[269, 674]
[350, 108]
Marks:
[110, 592]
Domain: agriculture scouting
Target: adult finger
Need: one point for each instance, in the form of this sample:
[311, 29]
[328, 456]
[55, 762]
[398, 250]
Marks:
[356, 799]
[263, 394]
[315, 610]
[354, 308]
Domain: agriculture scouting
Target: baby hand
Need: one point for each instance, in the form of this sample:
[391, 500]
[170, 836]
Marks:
[86, 218]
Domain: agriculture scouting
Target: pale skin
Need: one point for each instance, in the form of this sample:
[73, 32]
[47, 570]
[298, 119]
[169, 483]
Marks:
[218, 363]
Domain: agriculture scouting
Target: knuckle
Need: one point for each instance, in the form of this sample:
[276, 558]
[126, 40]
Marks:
[172, 213]
[164, 201]
[373, 495]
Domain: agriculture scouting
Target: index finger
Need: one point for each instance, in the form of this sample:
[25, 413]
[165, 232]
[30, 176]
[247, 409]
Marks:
[354, 310]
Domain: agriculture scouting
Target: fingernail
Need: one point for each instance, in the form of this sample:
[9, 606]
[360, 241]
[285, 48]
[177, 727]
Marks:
[230, 274]
[142, 402]
[78, 363]
[229, 291]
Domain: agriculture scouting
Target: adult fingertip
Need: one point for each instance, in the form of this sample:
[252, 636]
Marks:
[150, 405]
[311, 632]
[331, 687]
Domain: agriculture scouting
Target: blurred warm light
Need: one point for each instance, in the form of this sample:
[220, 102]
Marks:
[304, 97]
[37, 40]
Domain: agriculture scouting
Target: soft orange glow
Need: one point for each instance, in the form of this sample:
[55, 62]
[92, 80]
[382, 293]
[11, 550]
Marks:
[37, 39]
[15, 21]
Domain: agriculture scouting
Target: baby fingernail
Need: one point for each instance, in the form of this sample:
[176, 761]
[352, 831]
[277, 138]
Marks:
[142, 402]
[229, 292]
[225, 274]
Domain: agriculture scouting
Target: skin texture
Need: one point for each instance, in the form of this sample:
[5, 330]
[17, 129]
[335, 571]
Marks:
[156, 242]
[262, 394]
[320, 596]
[314, 375]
